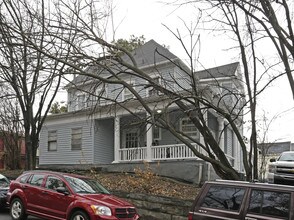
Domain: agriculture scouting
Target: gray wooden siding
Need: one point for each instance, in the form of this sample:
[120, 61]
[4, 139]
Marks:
[64, 154]
[104, 141]
[182, 80]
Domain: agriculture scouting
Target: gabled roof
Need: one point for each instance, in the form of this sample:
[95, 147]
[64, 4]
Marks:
[227, 70]
[150, 53]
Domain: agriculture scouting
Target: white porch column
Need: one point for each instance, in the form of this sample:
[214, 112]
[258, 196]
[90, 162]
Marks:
[149, 137]
[221, 132]
[116, 139]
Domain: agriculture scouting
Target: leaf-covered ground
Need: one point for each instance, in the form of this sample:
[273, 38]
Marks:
[141, 181]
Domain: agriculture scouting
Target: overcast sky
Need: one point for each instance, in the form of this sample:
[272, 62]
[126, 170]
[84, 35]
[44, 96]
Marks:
[141, 17]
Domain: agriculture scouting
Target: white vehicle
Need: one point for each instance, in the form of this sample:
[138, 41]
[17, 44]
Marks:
[281, 170]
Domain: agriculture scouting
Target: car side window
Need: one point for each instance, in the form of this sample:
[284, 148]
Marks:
[36, 179]
[224, 197]
[53, 183]
[270, 203]
[23, 179]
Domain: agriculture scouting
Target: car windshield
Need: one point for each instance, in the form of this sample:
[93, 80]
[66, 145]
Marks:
[86, 185]
[287, 157]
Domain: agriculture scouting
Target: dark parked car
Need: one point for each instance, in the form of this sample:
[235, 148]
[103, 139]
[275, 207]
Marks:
[4, 186]
[63, 196]
[243, 200]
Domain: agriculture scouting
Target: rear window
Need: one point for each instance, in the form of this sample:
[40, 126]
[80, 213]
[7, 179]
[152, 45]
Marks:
[224, 197]
[270, 203]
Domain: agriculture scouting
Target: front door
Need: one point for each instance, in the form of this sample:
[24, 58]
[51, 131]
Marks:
[131, 138]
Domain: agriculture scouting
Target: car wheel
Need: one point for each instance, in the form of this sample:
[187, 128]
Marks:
[79, 215]
[17, 211]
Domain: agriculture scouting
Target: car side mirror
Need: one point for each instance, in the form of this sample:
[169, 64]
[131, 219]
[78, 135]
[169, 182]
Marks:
[273, 160]
[62, 190]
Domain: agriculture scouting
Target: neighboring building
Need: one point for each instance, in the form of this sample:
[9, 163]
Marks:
[109, 136]
[10, 153]
[268, 151]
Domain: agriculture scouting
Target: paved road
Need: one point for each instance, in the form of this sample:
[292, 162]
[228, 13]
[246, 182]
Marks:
[4, 215]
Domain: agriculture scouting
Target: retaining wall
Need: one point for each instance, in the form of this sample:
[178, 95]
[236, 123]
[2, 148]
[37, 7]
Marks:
[152, 207]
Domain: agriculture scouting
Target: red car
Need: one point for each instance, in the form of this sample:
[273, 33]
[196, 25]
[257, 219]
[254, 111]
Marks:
[63, 196]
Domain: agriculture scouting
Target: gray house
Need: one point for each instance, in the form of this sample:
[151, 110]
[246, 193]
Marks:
[95, 132]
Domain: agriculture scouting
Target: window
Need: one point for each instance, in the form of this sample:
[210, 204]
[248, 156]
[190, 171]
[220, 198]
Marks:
[188, 128]
[53, 183]
[224, 197]
[270, 203]
[153, 91]
[98, 97]
[132, 140]
[37, 179]
[156, 133]
[52, 141]
[76, 138]
[81, 101]
[127, 93]
[229, 147]
[23, 178]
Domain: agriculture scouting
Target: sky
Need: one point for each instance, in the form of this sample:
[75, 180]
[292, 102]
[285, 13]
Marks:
[141, 17]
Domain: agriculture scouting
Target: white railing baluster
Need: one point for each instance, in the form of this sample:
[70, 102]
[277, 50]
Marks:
[162, 152]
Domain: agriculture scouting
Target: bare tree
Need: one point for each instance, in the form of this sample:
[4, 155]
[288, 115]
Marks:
[251, 25]
[105, 66]
[33, 77]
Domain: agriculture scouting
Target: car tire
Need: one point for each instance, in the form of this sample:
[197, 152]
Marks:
[79, 215]
[17, 210]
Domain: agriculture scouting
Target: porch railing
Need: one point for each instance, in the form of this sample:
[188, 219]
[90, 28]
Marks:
[172, 152]
[133, 154]
[162, 152]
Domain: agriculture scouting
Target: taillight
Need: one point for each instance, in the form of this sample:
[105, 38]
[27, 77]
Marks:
[190, 216]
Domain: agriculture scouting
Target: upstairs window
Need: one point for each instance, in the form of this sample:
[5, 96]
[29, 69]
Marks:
[52, 141]
[127, 93]
[76, 138]
[98, 97]
[153, 91]
[81, 100]
[188, 128]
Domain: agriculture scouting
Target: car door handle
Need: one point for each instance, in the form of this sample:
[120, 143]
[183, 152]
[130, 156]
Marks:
[202, 211]
[249, 218]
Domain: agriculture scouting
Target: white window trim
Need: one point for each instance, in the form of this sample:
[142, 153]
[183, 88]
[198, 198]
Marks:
[81, 139]
[125, 132]
[181, 128]
[80, 105]
[159, 133]
[126, 90]
[52, 140]
[151, 88]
